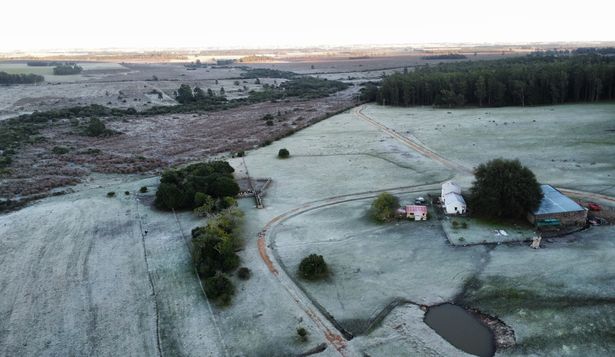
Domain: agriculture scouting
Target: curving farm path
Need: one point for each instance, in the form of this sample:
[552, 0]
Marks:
[335, 335]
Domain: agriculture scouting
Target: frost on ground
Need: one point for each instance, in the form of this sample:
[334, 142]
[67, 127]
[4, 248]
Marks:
[560, 300]
[372, 264]
[565, 145]
[403, 333]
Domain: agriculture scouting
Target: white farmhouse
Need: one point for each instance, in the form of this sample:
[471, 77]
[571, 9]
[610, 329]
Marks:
[451, 198]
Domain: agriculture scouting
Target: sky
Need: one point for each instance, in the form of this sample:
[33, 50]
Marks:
[68, 24]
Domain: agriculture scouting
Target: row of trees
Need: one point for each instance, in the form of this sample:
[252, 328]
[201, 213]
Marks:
[514, 81]
[214, 248]
[185, 95]
[6, 78]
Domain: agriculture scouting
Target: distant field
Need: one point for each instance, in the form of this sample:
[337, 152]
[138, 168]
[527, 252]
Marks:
[23, 68]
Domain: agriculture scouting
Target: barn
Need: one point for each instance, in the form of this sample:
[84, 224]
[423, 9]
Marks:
[451, 198]
[556, 209]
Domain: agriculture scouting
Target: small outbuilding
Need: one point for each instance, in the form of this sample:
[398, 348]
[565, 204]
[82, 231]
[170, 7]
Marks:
[452, 201]
[417, 212]
[556, 209]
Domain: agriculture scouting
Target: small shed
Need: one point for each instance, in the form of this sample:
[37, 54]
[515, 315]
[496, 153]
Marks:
[454, 203]
[556, 209]
[418, 212]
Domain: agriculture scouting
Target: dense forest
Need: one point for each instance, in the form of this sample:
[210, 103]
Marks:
[6, 78]
[513, 81]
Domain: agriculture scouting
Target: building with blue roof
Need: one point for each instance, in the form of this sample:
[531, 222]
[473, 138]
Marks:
[557, 209]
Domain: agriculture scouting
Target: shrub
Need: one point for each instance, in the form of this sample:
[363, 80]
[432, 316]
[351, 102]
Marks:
[464, 225]
[303, 334]
[96, 128]
[59, 150]
[384, 207]
[111, 194]
[244, 273]
[219, 289]
[127, 193]
[143, 189]
[269, 122]
[283, 154]
[455, 224]
[313, 267]
[241, 153]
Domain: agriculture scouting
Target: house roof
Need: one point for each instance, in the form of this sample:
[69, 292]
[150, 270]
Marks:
[416, 208]
[453, 197]
[450, 186]
[555, 202]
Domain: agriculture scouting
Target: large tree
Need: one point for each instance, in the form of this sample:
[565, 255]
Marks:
[504, 189]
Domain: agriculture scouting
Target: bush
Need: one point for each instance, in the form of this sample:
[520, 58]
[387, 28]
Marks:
[455, 224]
[303, 334]
[241, 153]
[464, 225]
[244, 273]
[313, 267]
[111, 194]
[127, 193]
[97, 128]
[59, 150]
[269, 122]
[504, 189]
[143, 189]
[384, 207]
[283, 154]
[219, 289]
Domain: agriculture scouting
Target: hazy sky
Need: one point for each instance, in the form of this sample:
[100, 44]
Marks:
[46, 24]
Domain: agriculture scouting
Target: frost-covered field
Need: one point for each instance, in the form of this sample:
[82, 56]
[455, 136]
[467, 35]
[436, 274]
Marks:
[565, 145]
[74, 278]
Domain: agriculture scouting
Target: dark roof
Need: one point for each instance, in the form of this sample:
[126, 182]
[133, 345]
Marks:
[555, 202]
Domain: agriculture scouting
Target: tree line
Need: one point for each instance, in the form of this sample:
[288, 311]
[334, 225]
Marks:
[513, 81]
[67, 69]
[6, 78]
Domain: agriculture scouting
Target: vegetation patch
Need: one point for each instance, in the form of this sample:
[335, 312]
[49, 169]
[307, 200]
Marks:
[504, 189]
[67, 69]
[214, 253]
[521, 81]
[206, 186]
[313, 267]
[6, 78]
[384, 207]
[283, 154]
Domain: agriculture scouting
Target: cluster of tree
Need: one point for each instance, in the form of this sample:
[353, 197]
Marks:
[447, 56]
[504, 189]
[214, 254]
[186, 95]
[6, 78]
[206, 187]
[267, 73]
[512, 81]
[384, 207]
[598, 50]
[302, 87]
[66, 69]
[256, 58]
[43, 63]
[313, 267]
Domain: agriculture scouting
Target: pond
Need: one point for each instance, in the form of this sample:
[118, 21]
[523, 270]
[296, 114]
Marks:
[461, 329]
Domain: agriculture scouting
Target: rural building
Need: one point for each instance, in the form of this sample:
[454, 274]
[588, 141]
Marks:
[556, 209]
[418, 212]
[452, 201]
